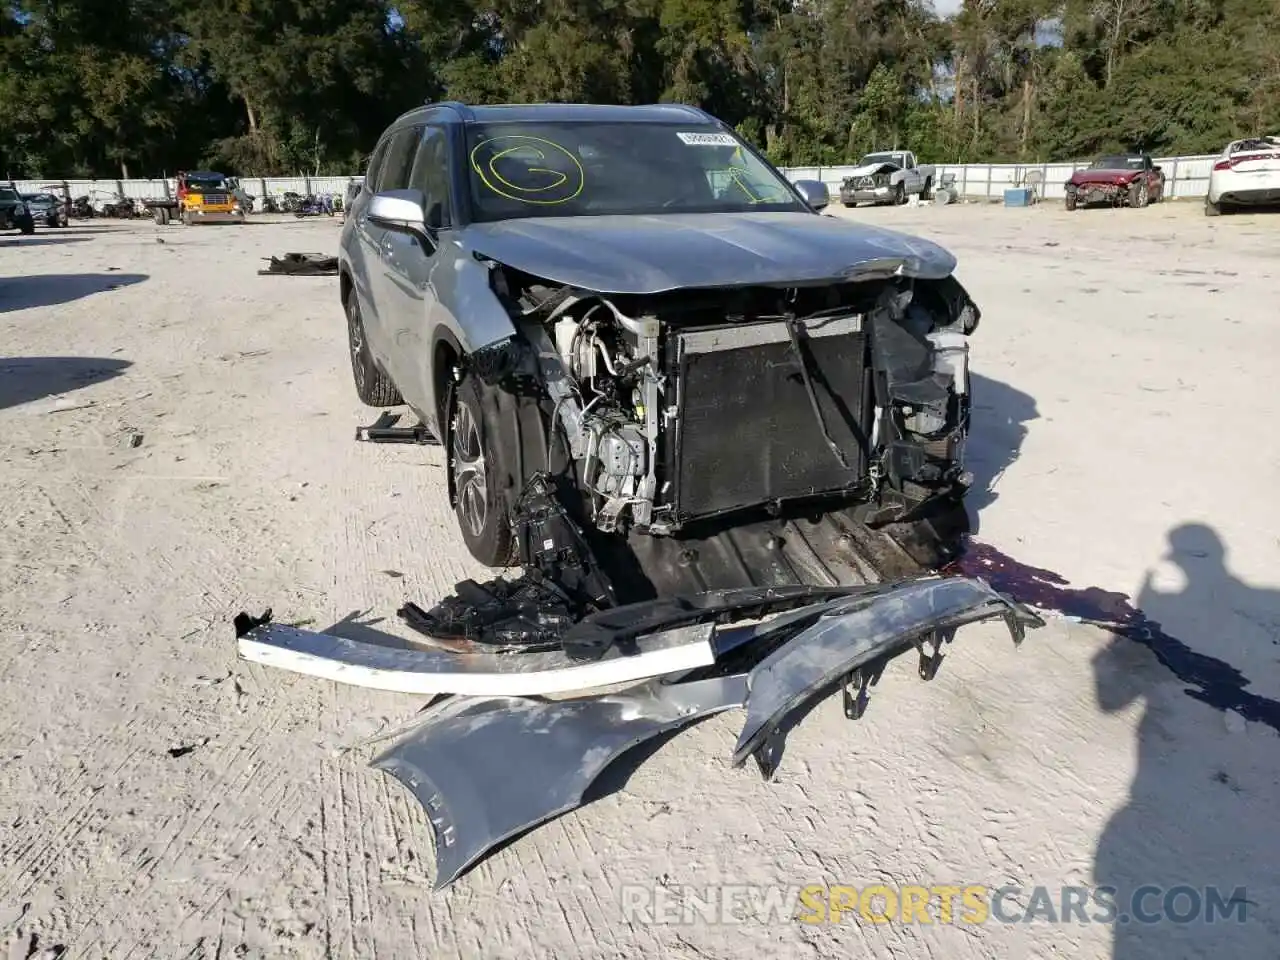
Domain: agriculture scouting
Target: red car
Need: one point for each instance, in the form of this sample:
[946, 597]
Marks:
[1119, 180]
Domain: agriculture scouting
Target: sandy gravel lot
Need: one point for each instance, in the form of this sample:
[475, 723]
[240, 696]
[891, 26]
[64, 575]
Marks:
[176, 445]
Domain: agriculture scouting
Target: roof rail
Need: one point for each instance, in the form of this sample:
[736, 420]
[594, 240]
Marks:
[456, 105]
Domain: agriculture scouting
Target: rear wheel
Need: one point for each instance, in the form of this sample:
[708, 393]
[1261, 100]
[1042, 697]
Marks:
[373, 387]
[479, 469]
[926, 192]
[1212, 209]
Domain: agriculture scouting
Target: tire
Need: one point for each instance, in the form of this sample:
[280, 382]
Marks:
[899, 195]
[188, 218]
[1212, 209]
[926, 192]
[1070, 202]
[1139, 195]
[27, 226]
[373, 386]
[479, 469]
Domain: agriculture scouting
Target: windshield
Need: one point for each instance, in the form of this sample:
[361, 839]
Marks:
[582, 168]
[1118, 163]
[207, 186]
[8, 195]
[871, 158]
[39, 198]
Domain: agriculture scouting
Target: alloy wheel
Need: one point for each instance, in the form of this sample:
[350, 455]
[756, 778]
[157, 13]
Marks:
[470, 482]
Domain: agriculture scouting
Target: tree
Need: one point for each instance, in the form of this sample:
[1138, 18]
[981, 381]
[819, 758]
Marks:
[266, 86]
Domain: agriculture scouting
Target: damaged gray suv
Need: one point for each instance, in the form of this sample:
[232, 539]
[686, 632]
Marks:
[632, 301]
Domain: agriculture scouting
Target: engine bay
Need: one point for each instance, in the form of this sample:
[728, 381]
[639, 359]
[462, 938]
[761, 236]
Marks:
[696, 404]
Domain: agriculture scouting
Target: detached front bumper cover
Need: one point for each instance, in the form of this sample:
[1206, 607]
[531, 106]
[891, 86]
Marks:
[489, 768]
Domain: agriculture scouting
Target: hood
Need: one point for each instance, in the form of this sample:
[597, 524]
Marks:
[1103, 176]
[653, 254]
[871, 169]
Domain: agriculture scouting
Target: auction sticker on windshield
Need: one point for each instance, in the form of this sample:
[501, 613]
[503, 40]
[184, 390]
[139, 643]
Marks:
[707, 139]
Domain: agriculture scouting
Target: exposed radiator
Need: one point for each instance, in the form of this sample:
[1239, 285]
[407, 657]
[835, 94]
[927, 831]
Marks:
[747, 433]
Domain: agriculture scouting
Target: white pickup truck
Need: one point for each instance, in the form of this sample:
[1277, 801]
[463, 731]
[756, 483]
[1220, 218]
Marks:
[888, 177]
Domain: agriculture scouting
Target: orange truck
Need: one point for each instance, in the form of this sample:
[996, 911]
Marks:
[203, 196]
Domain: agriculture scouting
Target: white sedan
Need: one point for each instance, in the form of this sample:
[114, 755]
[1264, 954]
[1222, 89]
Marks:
[1248, 172]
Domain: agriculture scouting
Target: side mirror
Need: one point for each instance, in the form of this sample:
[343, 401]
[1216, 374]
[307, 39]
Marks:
[814, 193]
[400, 210]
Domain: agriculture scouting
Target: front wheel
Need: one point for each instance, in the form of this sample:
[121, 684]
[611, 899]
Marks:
[478, 470]
[899, 195]
[1070, 203]
[27, 226]
[1139, 195]
[373, 387]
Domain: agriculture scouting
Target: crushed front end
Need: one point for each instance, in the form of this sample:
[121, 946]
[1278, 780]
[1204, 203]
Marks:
[699, 411]
[874, 187]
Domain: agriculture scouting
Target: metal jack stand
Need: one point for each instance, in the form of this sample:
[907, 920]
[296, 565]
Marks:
[384, 430]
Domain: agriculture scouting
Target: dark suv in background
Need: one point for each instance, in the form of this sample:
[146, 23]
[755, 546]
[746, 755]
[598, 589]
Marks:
[14, 212]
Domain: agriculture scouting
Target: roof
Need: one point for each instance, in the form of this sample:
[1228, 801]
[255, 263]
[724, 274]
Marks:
[567, 112]
[204, 175]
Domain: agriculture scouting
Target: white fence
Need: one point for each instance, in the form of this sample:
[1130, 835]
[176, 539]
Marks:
[158, 188]
[1186, 177]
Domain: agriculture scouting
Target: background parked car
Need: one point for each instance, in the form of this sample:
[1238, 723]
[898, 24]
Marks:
[1247, 173]
[14, 214]
[887, 177]
[1119, 180]
[46, 209]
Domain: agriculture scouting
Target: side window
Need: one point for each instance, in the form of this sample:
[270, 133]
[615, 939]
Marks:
[375, 166]
[395, 172]
[430, 175]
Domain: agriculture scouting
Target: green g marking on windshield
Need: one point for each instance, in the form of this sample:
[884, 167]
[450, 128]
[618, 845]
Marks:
[527, 174]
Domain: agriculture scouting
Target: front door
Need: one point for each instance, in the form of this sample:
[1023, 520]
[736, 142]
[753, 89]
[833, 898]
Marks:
[390, 305]
[409, 263]
[366, 252]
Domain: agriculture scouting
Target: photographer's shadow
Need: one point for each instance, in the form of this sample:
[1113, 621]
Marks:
[1196, 842]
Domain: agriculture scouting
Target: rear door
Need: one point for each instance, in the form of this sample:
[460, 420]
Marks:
[388, 302]
[409, 263]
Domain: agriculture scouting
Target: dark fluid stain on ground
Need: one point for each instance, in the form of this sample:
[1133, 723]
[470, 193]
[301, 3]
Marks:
[1210, 680]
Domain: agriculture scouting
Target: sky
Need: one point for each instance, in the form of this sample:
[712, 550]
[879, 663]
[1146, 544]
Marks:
[946, 7]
